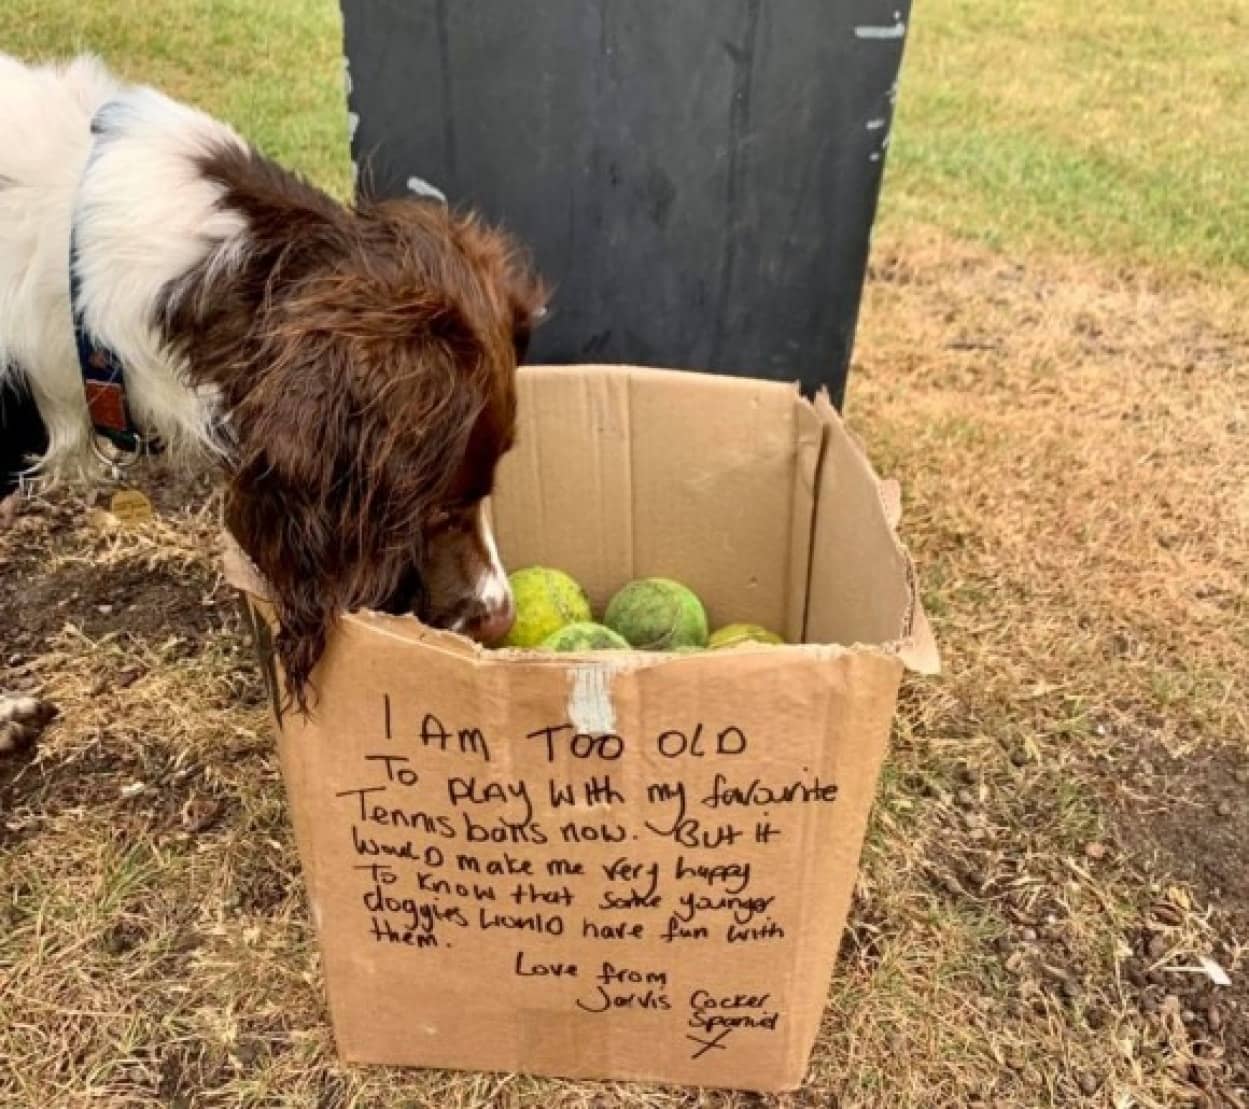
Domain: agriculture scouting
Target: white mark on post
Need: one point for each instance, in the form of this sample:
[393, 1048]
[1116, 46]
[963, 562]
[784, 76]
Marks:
[347, 86]
[353, 123]
[589, 705]
[418, 186]
[876, 124]
[896, 30]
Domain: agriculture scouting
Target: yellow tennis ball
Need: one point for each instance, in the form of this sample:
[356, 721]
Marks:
[584, 636]
[732, 634]
[657, 614]
[546, 600]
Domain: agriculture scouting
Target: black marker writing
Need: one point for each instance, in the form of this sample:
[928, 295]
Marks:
[744, 909]
[547, 924]
[507, 866]
[523, 969]
[674, 743]
[735, 877]
[501, 831]
[642, 893]
[709, 1012]
[470, 791]
[422, 916]
[397, 769]
[371, 847]
[757, 793]
[580, 745]
[432, 824]
[666, 793]
[589, 832]
[594, 930]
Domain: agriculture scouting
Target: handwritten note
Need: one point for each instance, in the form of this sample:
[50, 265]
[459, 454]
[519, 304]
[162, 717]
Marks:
[600, 870]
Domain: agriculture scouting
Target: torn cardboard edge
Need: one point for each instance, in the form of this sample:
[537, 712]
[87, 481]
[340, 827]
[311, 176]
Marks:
[914, 645]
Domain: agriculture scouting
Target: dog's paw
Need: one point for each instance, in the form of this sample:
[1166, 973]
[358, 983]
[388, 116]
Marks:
[22, 720]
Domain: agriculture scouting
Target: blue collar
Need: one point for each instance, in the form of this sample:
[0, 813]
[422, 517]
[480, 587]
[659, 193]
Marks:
[103, 376]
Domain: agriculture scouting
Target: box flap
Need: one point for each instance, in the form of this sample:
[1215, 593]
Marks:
[629, 472]
[863, 588]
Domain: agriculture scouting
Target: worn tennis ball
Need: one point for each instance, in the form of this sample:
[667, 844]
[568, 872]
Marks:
[546, 600]
[584, 636]
[658, 614]
[732, 634]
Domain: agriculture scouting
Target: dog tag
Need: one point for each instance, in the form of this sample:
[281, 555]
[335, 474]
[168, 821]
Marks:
[130, 506]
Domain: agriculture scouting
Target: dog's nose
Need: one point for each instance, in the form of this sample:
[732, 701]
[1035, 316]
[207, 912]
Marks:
[493, 622]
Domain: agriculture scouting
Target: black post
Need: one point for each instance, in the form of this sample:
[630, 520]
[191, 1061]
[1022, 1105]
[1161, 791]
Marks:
[697, 178]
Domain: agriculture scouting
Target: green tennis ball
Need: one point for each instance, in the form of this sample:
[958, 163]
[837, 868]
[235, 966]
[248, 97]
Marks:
[732, 634]
[657, 614]
[546, 600]
[584, 636]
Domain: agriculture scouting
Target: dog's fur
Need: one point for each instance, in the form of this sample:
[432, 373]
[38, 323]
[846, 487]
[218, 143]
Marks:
[351, 368]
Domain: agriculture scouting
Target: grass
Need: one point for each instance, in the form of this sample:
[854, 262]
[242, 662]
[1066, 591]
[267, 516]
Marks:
[1052, 357]
[272, 68]
[1111, 129]
[1116, 130]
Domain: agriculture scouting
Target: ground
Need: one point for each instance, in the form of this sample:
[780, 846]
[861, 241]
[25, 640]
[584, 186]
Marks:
[1057, 866]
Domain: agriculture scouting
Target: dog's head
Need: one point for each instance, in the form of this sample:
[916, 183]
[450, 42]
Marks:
[366, 360]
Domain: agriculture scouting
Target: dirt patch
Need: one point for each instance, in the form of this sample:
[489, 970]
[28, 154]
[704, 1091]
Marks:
[59, 585]
[69, 579]
[1201, 822]
[101, 600]
[1193, 824]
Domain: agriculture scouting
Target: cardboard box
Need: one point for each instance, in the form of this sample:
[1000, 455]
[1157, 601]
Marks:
[618, 865]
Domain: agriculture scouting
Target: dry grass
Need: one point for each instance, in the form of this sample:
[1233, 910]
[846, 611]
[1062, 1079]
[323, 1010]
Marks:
[1072, 441]
[1045, 857]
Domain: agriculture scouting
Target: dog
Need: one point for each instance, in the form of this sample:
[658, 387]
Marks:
[351, 369]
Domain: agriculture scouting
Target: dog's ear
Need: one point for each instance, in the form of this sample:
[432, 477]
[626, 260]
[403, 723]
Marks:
[279, 509]
[291, 542]
[357, 418]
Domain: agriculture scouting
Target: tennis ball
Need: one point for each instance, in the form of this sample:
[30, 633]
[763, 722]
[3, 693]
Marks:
[657, 614]
[546, 600]
[732, 634]
[584, 636]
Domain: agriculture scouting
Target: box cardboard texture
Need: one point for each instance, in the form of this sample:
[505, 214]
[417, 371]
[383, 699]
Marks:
[616, 865]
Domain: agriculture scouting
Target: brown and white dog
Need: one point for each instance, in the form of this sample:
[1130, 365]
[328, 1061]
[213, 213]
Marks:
[352, 369]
